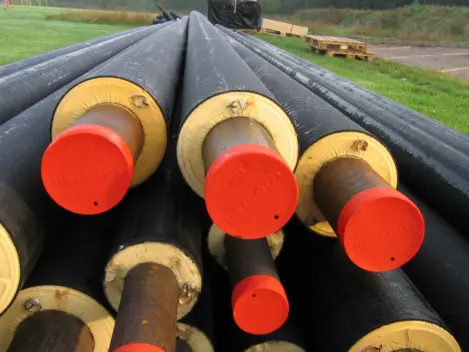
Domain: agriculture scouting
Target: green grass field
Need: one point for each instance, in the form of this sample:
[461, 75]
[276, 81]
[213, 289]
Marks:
[443, 98]
[24, 32]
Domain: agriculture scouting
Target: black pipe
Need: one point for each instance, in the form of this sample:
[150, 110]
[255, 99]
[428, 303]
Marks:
[5, 70]
[166, 14]
[160, 225]
[445, 257]
[260, 304]
[27, 213]
[423, 162]
[67, 279]
[21, 89]
[231, 339]
[175, 16]
[330, 179]
[361, 95]
[140, 86]
[349, 309]
[196, 330]
[216, 244]
[26, 206]
[287, 338]
[219, 86]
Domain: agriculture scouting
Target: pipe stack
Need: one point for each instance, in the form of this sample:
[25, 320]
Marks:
[109, 131]
[154, 274]
[428, 156]
[23, 88]
[347, 178]
[237, 147]
[61, 307]
[275, 207]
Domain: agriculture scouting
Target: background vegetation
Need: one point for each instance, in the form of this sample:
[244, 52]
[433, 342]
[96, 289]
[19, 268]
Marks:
[415, 22]
[270, 6]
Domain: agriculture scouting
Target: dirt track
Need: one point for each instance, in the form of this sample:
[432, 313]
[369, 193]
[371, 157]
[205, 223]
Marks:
[451, 61]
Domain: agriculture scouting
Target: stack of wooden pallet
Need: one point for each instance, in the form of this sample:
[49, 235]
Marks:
[339, 46]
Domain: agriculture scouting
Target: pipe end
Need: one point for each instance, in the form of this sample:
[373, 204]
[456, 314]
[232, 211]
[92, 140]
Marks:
[260, 304]
[250, 191]
[381, 229]
[87, 169]
[139, 347]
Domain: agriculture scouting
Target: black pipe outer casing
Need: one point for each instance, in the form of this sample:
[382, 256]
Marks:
[218, 86]
[372, 100]
[78, 254]
[21, 89]
[143, 80]
[68, 278]
[160, 224]
[197, 328]
[286, 338]
[423, 162]
[349, 309]
[27, 206]
[245, 258]
[317, 123]
[440, 270]
[212, 67]
[312, 116]
[24, 139]
[17, 66]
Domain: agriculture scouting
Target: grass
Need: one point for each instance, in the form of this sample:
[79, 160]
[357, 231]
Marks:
[443, 98]
[410, 23]
[24, 32]
[104, 17]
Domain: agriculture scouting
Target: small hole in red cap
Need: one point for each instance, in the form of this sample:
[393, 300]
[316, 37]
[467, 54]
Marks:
[276, 217]
[254, 295]
[393, 259]
[95, 204]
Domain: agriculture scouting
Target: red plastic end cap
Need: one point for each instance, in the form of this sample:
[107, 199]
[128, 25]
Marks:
[381, 229]
[87, 169]
[250, 192]
[260, 304]
[139, 347]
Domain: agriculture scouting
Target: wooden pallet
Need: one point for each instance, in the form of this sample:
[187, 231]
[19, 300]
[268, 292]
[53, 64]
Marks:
[336, 44]
[350, 54]
[283, 29]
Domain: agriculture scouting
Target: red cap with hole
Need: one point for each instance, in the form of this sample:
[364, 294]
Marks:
[138, 347]
[87, 169]
[381, 229]
[260, 304]
[250, 191]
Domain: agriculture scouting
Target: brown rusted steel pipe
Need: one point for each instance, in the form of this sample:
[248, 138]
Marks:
[52, 331]
[148, 310]
[233, 133]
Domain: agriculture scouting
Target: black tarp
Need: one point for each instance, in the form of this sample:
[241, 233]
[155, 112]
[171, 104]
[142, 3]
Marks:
[235, 14]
